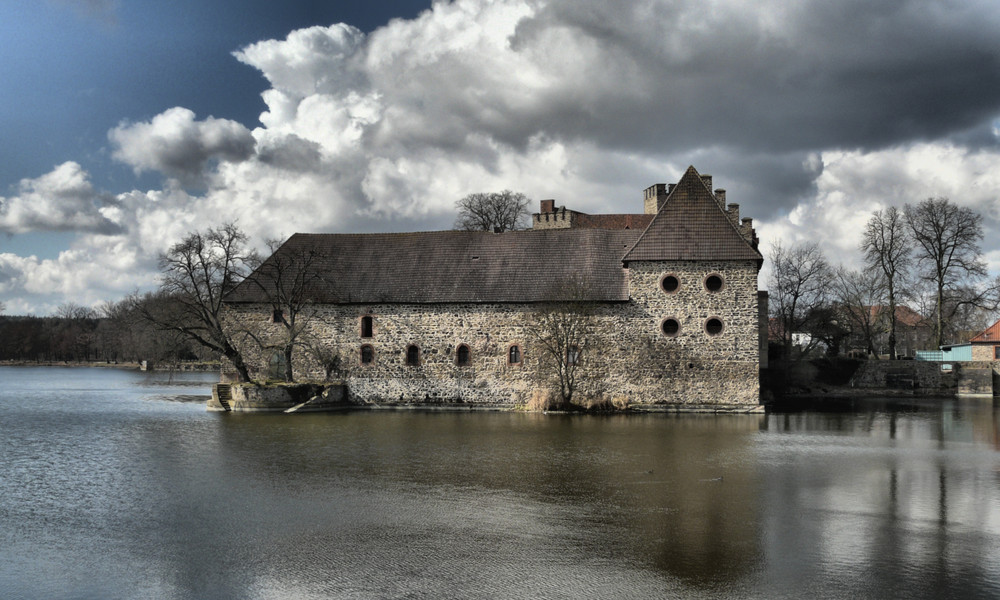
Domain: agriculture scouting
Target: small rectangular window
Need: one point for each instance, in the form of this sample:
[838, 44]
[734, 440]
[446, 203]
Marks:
[277, 316]
[366, 326]
[412, 356]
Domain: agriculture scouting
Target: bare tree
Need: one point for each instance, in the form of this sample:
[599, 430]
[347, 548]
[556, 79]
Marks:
[327, 357]
[563, 332]
[886, 245]
[197, 273]
[969, 309]
[73, 311]
[799, 285]
[859, 295]
[496, 211]
[947, 240]
[288, 279]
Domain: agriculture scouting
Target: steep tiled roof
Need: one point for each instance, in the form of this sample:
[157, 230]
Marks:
[462, 266]
[691, 226]
[991, 335]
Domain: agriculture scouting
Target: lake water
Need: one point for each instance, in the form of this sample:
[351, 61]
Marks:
[118, 484]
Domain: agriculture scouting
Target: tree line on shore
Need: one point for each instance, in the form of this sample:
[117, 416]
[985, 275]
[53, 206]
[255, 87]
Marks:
[114, 332]
[926, 256]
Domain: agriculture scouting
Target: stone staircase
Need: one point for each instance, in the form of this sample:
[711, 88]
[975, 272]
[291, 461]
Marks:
[224, 394]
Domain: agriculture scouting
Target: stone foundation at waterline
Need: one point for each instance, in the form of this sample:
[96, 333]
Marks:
[303, 397]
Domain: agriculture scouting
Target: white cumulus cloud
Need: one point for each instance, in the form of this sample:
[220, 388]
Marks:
[61, 200]
[812, 114]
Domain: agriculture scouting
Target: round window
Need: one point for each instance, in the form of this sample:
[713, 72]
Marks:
[670, 327]
[713, 326]
[713, 283]
[670, 284]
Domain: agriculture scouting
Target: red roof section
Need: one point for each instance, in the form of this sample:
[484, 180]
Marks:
[991, 335]
[619, 221]
[904, 315]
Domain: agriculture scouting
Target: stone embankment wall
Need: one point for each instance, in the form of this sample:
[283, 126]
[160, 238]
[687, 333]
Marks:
[928, 378]
[273, 398]
[625, 353]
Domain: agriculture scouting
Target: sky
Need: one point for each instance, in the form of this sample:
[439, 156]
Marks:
[126, 125]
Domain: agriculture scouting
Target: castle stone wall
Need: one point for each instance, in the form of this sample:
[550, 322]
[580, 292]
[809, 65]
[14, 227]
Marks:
[625, 355]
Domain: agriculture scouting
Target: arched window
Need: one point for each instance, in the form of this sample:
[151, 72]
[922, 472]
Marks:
[412, 355]
[462, 355]
[366, 326]
[572, 355]
[514, 355]
[367, 355]
[276, 366]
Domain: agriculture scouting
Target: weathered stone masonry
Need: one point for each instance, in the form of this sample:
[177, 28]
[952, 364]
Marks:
[707, 355]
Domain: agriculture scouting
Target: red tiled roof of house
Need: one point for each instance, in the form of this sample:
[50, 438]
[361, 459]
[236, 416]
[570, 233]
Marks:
[691, 225]
[992, 334]
[904, 315]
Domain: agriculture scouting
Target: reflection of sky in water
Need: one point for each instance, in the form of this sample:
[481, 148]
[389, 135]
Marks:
[117, 484]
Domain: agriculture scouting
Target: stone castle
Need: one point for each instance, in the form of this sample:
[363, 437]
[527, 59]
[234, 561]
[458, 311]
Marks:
[673, 316]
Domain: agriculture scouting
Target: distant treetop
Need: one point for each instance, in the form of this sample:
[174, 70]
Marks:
[495, 211]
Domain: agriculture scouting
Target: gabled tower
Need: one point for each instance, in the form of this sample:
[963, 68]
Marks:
[693, 274]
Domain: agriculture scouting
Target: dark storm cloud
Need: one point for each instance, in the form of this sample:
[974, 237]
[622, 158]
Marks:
[806, 76]
[290, 152]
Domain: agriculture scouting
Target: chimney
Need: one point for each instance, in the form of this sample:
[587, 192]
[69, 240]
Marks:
[720, 195]
[707, 180]
[734, 212]
[548, 206]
